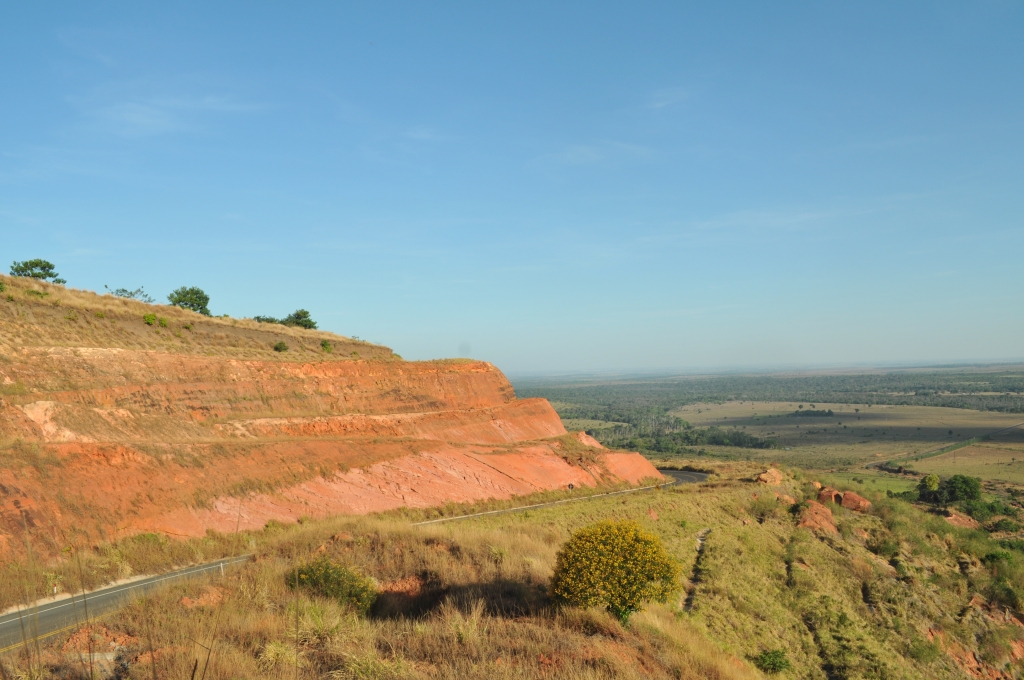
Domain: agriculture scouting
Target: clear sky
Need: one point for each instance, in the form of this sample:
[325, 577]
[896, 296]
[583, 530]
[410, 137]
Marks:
[552, 187]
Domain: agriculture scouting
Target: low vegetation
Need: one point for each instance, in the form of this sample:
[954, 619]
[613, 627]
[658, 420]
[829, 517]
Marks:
[896, 591]
[614, 565]
[299, 317]
[35, 313]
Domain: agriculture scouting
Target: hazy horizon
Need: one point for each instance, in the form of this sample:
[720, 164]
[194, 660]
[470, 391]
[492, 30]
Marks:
[556, 190]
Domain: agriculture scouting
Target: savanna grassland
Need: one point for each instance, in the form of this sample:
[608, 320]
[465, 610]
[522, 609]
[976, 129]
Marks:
[895, 592]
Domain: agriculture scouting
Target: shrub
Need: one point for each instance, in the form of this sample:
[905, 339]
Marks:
[960, 488]
[281, 346]
[187, 327]
[616, 565]
[762, 508]
[2, 287]
[326, 346]
[137, 294]
[335, 581]
[772, 661]
[191, 298]
[1005, 524]
[149, 319]
[924, 651]
[36, 269]
[162, 322]
[301, 318]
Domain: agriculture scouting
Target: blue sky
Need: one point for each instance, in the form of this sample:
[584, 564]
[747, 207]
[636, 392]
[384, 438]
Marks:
[591, 187]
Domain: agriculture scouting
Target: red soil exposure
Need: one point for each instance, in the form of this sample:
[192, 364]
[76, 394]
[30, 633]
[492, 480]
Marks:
[113, 442]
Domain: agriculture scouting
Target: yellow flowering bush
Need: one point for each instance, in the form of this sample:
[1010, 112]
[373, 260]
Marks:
[335, 581]
[615, 565]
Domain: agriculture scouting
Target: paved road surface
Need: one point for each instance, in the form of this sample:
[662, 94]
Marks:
[677, 477]
[55, 617]
[685, 476]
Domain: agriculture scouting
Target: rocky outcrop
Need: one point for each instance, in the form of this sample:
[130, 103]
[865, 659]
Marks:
[855, 502]
[830, 495]
[817, 518]
[847, 499]
[770, 476]
[113, 441]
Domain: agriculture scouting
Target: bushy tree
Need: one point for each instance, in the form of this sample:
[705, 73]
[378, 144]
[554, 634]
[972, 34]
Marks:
[36, 269]
[928, 488]
[960, 488]
[191, 298]
[615, 565]
[301, 318]
[772, 661]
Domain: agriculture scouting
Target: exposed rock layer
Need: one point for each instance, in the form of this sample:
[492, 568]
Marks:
[115, 441]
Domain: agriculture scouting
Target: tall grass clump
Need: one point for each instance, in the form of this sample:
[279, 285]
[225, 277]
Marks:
[334, 581]
[615, 565]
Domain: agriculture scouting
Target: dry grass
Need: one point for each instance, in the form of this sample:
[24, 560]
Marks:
[35, 313]
[468, 599]
[458, 602]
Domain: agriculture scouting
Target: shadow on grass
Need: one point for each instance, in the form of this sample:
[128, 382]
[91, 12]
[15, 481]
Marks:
[504, 597]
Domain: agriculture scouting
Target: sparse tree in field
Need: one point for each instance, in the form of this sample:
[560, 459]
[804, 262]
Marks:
[137, 294]
[36, 269]
[191, 298]
[615, 565]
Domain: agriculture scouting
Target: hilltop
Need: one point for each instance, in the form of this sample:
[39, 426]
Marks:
[119, 417]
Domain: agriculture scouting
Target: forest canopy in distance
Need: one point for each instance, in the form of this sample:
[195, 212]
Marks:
[635, 413]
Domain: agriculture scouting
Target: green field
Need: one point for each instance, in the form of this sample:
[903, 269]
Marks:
[990, 461]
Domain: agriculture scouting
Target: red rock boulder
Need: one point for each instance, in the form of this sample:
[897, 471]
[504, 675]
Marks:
[818, 518]
[771, 476]
[855, 502]
[830, 495]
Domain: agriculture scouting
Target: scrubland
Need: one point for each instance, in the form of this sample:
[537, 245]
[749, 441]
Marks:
[894, 592]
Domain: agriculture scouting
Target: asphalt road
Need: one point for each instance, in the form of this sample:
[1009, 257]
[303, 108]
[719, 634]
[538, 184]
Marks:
[56, 617]
[49, 619]
[677, 476]
[685, 476]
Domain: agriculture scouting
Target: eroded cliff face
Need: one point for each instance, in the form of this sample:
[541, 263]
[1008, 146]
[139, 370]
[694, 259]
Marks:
[105, 442]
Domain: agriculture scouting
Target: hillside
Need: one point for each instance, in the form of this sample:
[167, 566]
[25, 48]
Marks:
[110, 425]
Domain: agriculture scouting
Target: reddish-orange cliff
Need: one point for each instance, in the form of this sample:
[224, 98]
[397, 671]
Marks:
[180, 438]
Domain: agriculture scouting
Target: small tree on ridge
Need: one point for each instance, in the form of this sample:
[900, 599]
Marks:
[36, 269]
[191, 298]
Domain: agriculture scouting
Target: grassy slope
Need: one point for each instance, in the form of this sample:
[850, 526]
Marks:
[468, 598]
[34, 313]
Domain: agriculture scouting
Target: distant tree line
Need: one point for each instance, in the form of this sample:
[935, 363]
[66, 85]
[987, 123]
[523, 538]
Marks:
[967, 388]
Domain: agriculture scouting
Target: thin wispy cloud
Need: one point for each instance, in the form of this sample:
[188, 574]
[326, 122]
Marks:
[766, 220]
[143, 116]
[667, 97]
[599, 153]
[422, 133]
